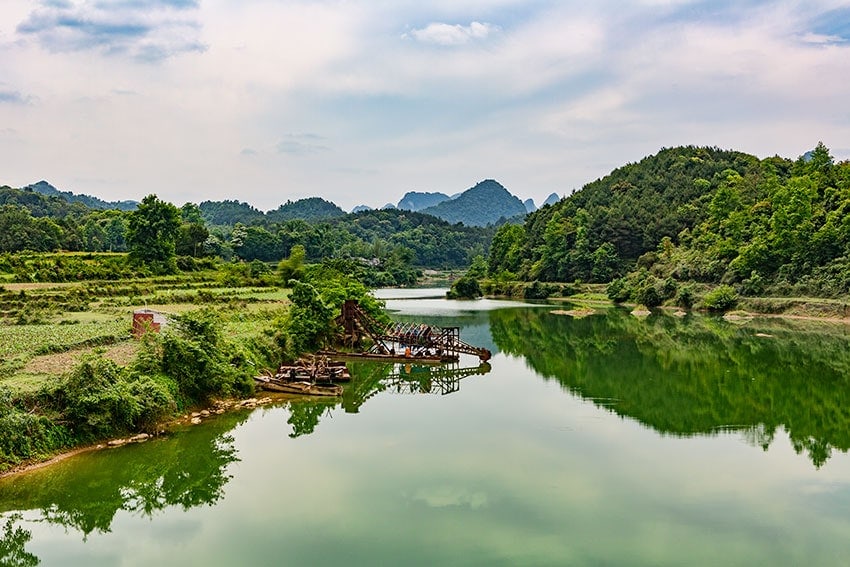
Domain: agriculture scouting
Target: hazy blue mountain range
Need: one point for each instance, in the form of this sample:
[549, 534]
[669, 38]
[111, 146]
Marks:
[46, 188]
[416, 200]
[486, 203]
[551, 199]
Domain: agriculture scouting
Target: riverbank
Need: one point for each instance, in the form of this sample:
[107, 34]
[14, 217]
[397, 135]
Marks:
[802, 308]
[195, 417]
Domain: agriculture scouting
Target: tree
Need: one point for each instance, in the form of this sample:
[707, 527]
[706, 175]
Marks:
[151, 234]
[292, 268]
[506, 249]
[310, 318]
[466, 287]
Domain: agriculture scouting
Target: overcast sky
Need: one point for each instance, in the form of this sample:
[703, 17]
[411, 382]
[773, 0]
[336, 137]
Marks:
[360, 101]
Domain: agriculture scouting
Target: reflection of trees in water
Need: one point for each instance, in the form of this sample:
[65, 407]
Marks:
[12, 551]
[696, 375]
[304, 415]
[189, 469]
[372, 378]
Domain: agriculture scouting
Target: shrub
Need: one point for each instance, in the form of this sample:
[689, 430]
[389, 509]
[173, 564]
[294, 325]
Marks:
[156, 400]
[669, 288]
[194, 355]
[309, 317]
[538, 291]
[721, 298]
[97, 399]
[465, 287]
[619, 290]
[24, 435]
[753, 285]
[648, 294]
[686, 297]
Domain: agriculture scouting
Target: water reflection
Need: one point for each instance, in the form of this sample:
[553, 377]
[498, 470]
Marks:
[372, 378]
[509, 470]
[13, 542]
[188, 469]
[696, 375]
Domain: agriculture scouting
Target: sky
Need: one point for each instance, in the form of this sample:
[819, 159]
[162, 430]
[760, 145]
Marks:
[358, 102]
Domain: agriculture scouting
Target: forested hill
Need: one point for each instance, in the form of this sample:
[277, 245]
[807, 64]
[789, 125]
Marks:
[431, 241]
[309, 209]
[401, 236]
[486, 203]
[229, 212]
[46, 188]
[695, 214]
[39, 204]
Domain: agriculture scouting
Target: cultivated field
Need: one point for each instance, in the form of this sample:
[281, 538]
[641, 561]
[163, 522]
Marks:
[46, 327]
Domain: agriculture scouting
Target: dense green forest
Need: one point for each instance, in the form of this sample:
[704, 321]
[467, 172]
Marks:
[309, 209]
[46, 188]
[229, 212]
[693, 214]
[685, 215]
[161, 238]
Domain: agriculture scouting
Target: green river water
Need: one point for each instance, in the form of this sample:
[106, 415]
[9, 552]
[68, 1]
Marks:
[602, 440]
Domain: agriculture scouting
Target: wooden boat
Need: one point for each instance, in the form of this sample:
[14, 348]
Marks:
[314, 369]
[300, 387]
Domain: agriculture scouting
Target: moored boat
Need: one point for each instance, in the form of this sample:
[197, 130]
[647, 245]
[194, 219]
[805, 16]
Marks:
[297, 387]
[314, 369]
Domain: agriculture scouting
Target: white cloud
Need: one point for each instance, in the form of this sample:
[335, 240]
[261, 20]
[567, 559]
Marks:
[453, 34]
[146, 30]
[820, 39]
[542, 96]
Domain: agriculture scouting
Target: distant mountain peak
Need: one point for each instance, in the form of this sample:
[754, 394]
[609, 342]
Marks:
[530, 207]
[551, 199]
[486, 203]
[45, 188]
[310, 208]
[417, 200]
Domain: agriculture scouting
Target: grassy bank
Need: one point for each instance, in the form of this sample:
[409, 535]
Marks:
[71, 374]
[695, 296]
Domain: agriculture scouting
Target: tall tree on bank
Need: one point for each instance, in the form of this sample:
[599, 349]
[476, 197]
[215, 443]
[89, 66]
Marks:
[151, 235]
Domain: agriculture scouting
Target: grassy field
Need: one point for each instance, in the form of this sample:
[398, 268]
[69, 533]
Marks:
[46, 327]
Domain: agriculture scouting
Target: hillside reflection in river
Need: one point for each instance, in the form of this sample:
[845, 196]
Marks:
[696, 375]
[601, 440]
[187, 469]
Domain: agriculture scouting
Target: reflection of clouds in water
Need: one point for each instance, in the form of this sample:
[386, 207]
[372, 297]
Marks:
[450, 496]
